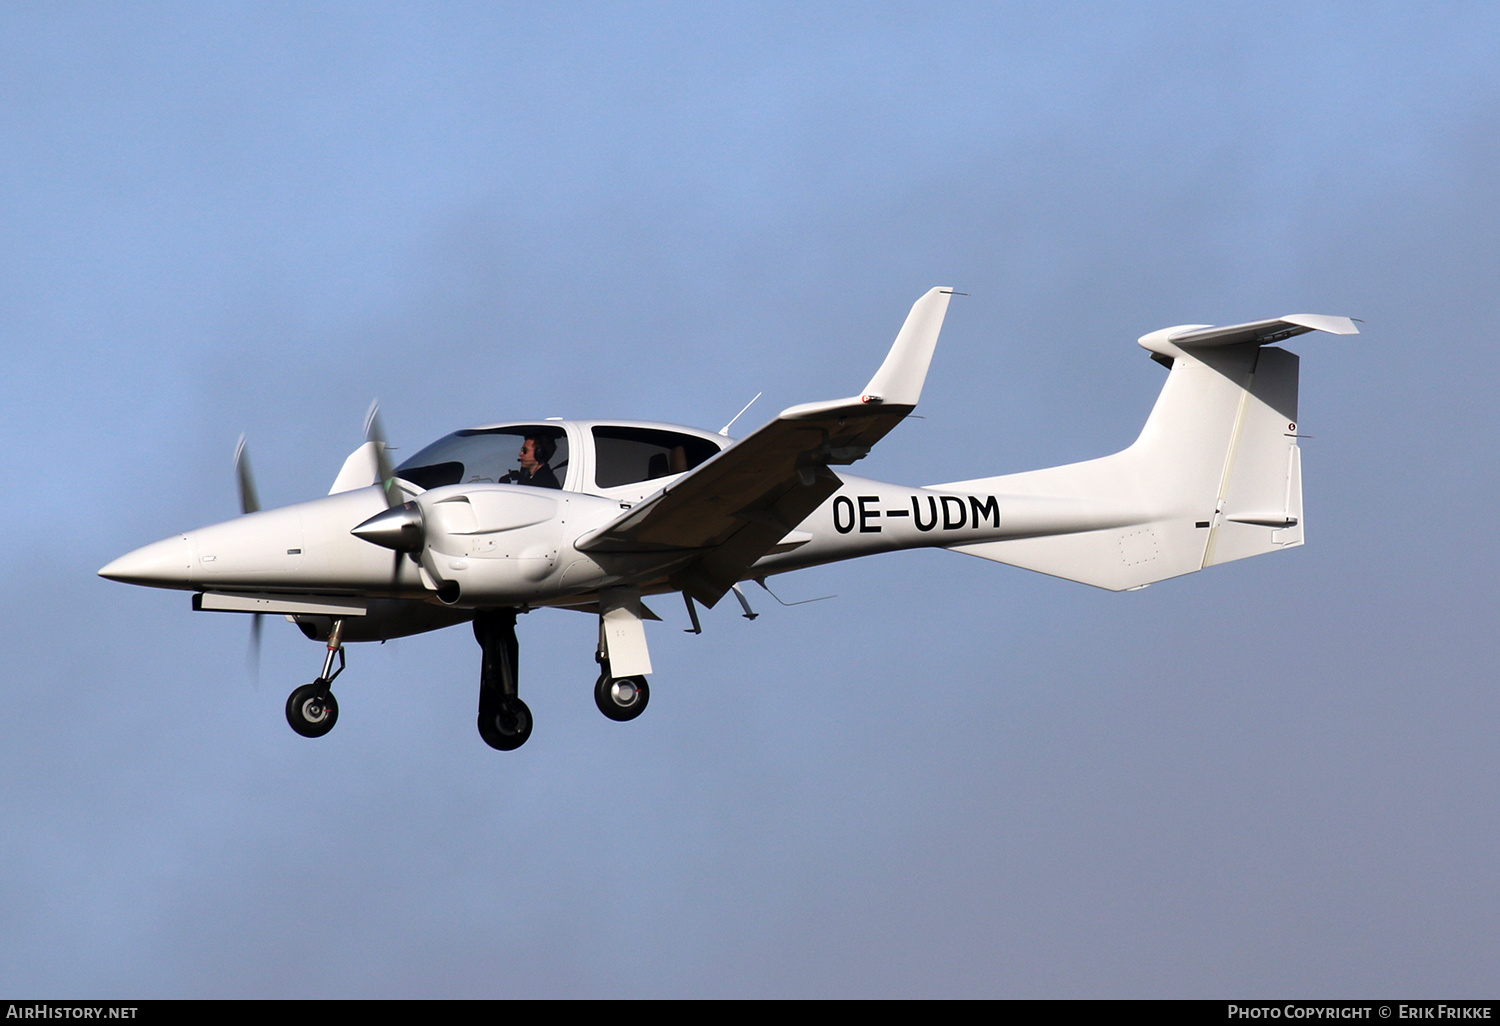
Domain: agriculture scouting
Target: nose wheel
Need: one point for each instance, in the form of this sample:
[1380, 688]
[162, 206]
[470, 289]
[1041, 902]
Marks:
[311, 710]
[621, 698]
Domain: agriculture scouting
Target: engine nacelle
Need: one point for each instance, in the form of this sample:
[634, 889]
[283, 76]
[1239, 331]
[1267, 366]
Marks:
[492, 544]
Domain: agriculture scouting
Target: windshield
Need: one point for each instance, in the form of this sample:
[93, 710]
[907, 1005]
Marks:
[528, 454]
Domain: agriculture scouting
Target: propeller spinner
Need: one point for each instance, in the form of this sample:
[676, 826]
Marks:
[399, 528]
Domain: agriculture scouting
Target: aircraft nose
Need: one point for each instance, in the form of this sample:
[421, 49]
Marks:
[163, 564]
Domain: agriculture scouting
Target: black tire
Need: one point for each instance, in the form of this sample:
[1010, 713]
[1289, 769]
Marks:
[621, 698]
[505, 725]
[312, 710]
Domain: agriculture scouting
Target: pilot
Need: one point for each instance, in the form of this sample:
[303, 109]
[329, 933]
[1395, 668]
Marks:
[535, 453]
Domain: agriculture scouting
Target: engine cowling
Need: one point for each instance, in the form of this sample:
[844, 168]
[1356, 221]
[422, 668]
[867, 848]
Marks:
[490, 544]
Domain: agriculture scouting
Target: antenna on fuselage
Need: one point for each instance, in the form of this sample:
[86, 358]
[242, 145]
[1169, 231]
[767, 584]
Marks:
[725, 429]
[800, 602]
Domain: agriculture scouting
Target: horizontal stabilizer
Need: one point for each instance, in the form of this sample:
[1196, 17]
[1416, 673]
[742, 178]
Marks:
[1259, 332]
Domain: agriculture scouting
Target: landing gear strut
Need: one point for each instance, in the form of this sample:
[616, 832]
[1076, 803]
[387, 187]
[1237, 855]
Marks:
[620, 635]
[311, 709]
[619, 698]
[504, 720]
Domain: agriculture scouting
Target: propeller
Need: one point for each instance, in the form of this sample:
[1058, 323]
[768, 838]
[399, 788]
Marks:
[375, 432]
[400, 526]
[249, 497]
[249, 503]
[252, 659]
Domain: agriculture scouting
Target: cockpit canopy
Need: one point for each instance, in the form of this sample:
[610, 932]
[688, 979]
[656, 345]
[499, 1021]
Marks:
[582, 457]
[490, 455]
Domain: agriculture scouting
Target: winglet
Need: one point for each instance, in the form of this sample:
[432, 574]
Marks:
[900, 378]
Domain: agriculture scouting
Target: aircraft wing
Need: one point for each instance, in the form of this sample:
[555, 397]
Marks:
[731, 510]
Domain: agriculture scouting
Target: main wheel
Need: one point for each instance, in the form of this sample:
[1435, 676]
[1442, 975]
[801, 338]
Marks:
[312, 710]
[621, 698]
[505, 724]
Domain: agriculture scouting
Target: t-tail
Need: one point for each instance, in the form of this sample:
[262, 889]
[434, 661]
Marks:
[1215, 476]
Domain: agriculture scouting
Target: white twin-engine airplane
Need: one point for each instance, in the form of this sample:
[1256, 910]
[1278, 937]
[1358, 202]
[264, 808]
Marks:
[595, 515]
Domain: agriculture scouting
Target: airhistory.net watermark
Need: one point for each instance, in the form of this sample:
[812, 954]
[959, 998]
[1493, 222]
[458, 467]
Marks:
[44, 1010]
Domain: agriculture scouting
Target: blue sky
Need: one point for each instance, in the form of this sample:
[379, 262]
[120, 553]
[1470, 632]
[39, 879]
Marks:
[956, 779]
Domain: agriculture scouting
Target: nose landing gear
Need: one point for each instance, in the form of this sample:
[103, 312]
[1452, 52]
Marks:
[311, 710]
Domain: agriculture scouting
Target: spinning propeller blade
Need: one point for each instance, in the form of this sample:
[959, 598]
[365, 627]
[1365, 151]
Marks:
[249, 503]
[249, 498]
[374, 432]
[252, 657]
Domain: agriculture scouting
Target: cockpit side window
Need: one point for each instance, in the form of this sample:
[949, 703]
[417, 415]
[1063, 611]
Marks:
[627, 455]
[493, 455]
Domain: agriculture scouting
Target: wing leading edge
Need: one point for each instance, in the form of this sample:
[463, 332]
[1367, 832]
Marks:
[734, 508]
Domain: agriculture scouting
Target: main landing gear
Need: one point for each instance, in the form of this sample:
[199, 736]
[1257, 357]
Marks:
[622, 641]
[311, 709]
[504, 720]
[620, 698]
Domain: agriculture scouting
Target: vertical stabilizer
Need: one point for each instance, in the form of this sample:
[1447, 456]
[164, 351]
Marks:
[1215, 476]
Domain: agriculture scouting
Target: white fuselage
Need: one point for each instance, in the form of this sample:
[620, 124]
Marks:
[513, 545]
[489, 544]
